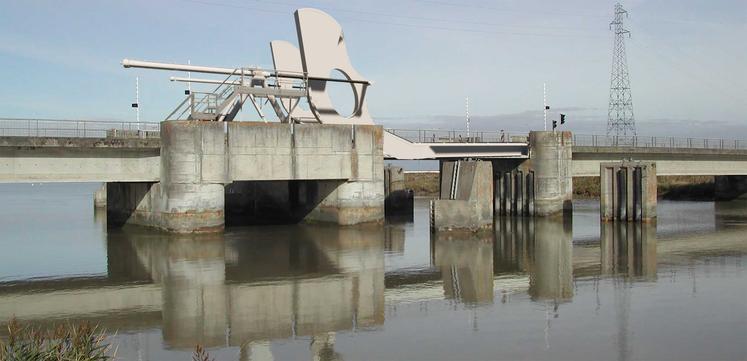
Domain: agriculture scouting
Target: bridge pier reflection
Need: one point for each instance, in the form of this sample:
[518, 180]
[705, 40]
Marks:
[273, 282]
[628, 249]
[541, 247]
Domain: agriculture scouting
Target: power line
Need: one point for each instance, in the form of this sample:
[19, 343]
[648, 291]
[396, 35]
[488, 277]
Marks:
[421, 26]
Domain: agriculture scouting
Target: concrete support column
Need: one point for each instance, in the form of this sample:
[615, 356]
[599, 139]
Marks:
[193, 176]
[398, 199]
[550, 154]
[628, 191]
[99, 197]
[361, 198]
[729, 187]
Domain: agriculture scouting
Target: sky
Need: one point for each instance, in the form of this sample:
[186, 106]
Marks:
[61, 59]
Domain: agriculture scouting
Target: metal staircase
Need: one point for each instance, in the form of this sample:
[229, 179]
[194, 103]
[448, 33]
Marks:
[223, 103]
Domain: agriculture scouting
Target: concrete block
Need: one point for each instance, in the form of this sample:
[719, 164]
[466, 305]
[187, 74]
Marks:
[469, 202]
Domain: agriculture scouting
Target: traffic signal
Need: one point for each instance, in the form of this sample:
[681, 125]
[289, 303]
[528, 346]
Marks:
[554, 124]
[562, 118]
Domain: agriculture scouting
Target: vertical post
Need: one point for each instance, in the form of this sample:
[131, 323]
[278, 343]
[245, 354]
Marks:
[606, 179]
[519, 193]
[629, 193]
[648, 190]
[622, 197]
[544, 103]
[530, 194]
[507, 193]
[137, 99]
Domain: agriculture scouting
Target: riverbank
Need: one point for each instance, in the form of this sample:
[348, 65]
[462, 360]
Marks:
[693, 188]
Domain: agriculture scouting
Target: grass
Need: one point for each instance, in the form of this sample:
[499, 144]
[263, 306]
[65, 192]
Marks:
[61, 343]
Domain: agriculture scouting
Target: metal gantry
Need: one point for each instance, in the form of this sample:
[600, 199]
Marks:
[620, 119]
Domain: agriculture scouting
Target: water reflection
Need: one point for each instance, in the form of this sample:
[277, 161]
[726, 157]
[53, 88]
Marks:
[234, 291]
[466, 265]
[542, 248]
[628, 249]
[311, 285]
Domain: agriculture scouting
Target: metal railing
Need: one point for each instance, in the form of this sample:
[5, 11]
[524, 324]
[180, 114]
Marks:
[657, 142]
[58, 128]
[458, 136]
[29, 127]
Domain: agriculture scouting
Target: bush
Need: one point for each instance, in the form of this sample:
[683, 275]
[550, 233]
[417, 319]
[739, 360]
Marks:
[62, 343]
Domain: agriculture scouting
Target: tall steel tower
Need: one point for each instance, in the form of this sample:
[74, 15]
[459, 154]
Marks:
[620, 120]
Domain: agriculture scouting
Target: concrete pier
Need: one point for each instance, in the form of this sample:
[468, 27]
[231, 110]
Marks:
[628, 191]
[313, 173]
[513, 189]
[99, 197]
[551, 157]
[466, 194]
[399, 199]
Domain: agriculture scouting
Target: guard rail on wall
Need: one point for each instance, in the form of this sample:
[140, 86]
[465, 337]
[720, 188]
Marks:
[57, 128]
[458, 136]
[657, 142]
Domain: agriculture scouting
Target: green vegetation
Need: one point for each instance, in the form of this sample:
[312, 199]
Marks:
[60, 343]
[423, 184]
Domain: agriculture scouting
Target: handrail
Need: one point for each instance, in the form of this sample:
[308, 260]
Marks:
[29, 127]
[42, 127]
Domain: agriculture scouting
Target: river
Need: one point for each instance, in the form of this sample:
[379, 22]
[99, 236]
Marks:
[531, 290]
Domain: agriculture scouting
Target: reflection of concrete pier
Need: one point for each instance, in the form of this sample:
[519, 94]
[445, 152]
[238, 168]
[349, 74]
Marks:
[628, 249]
[541, 247]
[205, 290]
[466, 266]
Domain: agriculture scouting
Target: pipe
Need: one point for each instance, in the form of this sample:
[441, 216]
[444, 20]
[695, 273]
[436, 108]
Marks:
[205, 81]
[128, 63]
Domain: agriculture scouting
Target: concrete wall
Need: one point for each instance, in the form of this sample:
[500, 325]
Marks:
[78, 160]
[318, 173]
[551, 154]
[466, 197]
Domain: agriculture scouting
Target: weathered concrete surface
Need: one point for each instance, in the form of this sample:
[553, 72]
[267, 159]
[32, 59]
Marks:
[466, 202]
[24, 159]
[99, 197]
[399, 200]
[318, 173]
[550, 154]
[513, 188]
[190, 195]
[730, 187]
[628, 191]
[669, 161]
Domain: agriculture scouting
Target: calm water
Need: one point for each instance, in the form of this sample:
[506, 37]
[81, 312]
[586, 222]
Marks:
[538, 290]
